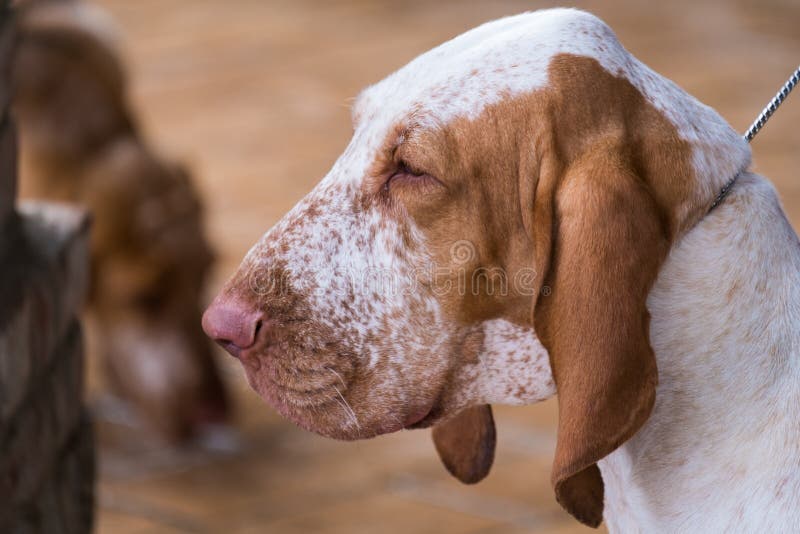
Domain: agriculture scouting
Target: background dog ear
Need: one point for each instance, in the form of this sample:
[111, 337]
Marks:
[466, 443]
[608, 242]
[69, 88]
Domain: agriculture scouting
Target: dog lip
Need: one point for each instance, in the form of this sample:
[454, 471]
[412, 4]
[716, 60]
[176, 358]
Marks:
[417, 418]
[248, 357]
[232, 349]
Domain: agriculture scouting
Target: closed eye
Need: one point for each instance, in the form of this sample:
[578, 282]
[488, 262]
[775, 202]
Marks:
[404, 175]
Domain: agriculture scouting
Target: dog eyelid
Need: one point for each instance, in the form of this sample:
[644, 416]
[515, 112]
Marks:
[404, 168]
[410, 175]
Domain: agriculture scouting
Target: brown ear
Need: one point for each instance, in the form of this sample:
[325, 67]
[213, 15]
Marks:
[69, 87]
[466, 443]
[608, 239]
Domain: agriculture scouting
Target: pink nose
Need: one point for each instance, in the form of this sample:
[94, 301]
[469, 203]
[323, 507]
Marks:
[232, 323]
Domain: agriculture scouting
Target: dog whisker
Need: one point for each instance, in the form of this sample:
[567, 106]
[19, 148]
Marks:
[347, 408]
[337, 376]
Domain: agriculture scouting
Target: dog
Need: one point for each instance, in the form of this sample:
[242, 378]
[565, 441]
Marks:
[149, 254]
[525, 211]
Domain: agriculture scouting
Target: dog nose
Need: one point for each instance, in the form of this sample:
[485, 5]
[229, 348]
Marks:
[232, 323]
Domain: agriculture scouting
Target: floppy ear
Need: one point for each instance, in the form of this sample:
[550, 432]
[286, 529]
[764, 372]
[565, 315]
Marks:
[69, 88]
[608, 238]
[466, 443]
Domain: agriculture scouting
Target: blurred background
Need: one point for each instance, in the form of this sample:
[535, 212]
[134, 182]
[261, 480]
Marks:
[253, 97]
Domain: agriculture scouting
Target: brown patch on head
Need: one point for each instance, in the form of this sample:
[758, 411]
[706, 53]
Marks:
[590, 188]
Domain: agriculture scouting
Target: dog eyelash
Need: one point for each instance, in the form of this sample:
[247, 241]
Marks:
[405, 171]
[405, 168]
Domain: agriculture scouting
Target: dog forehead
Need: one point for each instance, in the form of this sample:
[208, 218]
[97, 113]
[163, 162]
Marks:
[511, 57]
[493, 62]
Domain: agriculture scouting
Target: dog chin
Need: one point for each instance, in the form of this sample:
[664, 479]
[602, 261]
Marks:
[329, 419]
[338, 420]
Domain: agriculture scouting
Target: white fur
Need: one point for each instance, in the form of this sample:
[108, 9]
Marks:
[721, 451]
[513, 368]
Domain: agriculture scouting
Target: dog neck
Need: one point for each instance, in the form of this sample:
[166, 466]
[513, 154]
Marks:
[721, 449]
[505, 363]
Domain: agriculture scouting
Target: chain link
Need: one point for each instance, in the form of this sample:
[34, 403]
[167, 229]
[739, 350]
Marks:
[759, 123]
[772, 106]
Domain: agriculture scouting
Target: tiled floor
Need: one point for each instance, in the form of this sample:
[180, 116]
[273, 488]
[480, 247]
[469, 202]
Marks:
[254, 95]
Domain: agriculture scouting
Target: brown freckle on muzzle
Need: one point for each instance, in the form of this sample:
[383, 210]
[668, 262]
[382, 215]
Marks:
[297, 364]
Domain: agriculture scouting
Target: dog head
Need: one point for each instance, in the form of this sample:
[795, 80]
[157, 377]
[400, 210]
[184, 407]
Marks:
[149, 261]
[69, 84]
[489, 235]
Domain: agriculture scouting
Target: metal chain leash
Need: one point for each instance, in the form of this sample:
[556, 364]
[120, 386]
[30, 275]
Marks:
[759, 123]
[772, 106]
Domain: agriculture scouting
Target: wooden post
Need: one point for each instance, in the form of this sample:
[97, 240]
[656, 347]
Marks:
[8, 142]
[46, 443]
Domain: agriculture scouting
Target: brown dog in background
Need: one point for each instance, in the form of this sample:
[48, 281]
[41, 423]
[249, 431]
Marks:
[80, 143]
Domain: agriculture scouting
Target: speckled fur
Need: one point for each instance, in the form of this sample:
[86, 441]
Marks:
[348, 360]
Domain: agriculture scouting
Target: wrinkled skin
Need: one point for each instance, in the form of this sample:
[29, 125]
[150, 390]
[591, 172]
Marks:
[399, 291]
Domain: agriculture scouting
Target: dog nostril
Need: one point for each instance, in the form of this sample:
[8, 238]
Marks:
[232, 324]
